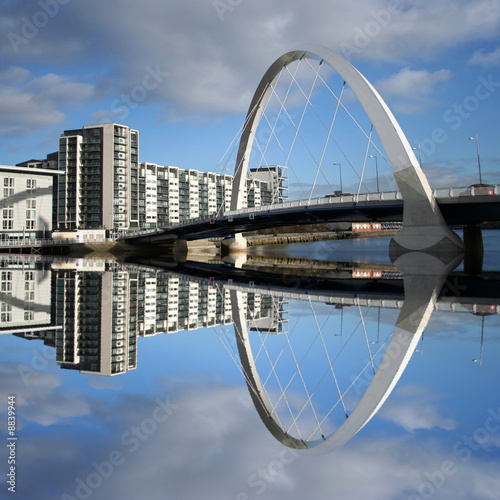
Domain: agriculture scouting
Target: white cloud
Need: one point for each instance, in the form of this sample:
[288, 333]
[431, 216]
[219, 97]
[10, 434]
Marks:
[486, 59]
[14, 75]
[410, 89]
[31, 103]
[214, 65]
[215, 61]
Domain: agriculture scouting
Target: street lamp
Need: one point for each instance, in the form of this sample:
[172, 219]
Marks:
[376, 170]
[340, 173]
[478, 159]
[419, 154]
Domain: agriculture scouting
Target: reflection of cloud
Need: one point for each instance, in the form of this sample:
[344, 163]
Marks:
[39, 397]
[214, 446]
[414, 408]
[99, 382]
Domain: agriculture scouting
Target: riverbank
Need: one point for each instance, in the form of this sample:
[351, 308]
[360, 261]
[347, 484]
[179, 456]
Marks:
[293, 238]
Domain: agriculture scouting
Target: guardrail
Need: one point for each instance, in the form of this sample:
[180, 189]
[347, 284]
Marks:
[52, 242]
[453, 192]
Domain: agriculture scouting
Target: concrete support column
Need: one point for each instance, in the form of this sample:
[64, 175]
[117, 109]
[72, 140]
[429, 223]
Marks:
[237, 244]
[424, 228]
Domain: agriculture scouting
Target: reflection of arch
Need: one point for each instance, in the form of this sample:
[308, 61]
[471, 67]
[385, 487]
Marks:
[424, 276]
[393, 364]
[422, 217]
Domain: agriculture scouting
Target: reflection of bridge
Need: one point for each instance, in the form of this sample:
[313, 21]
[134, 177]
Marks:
[460, 293]
[84, 325]
[425, 215]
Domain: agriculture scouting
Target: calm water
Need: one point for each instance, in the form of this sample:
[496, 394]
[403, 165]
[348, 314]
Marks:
[164, 381]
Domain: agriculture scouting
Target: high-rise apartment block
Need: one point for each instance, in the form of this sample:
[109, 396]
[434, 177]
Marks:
[100, 189]
[102, 186]
[276, 179]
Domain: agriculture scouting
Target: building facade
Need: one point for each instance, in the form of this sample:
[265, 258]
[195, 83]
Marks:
[27, 202]
[276, 178]
[100, 188]
[169, 195]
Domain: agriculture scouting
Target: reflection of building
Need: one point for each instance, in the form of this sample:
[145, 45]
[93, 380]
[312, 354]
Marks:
[92, 312]
[93, 307]
[275, 319]
[24, 296]
[26, 202]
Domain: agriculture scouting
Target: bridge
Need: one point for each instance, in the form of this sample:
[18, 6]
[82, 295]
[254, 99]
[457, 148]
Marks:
[309, 138]
[457, 210]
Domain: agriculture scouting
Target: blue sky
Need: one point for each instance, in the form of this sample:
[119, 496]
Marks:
[183, 73]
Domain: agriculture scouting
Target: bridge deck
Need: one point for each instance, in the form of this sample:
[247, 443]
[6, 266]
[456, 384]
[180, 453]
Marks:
[460, 210]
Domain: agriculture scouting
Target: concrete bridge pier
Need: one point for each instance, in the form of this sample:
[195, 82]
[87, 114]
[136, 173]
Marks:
[474, 250]
[236, 244]
[424, 228]
[180, 250]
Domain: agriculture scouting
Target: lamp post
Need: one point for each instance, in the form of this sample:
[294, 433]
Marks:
[376, 170]
[478, 158]
[340, 174]
[419, 154]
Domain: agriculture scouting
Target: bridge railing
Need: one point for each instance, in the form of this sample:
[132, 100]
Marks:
[51, 242]
[453, 192]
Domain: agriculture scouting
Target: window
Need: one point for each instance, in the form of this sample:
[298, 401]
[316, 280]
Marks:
[29, 315]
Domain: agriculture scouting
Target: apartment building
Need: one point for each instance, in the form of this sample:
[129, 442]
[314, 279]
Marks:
[276, 178]
[170, 195]
[26, 203]
[100, 188]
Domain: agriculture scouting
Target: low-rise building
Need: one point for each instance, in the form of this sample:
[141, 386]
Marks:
[26, 203]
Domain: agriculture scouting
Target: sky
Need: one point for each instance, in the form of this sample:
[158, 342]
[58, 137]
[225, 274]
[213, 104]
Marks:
[184, 73]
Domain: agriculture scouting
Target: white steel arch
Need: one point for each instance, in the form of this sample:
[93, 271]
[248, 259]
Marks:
[424, 227]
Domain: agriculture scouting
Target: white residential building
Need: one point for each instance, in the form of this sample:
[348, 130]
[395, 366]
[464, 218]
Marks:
[26, 203]
[100, 188]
